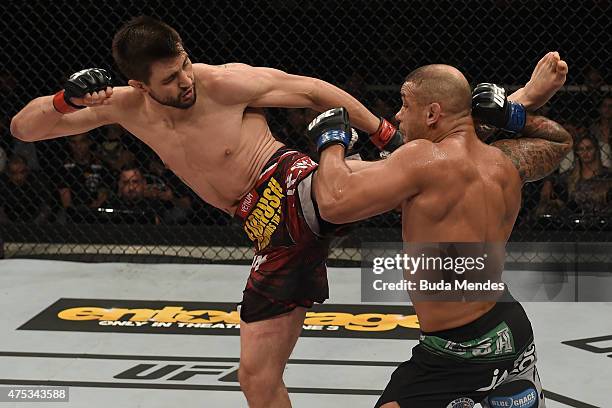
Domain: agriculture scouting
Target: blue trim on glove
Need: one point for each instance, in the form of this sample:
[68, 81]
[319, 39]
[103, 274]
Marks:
[333, 136]
[517, 117]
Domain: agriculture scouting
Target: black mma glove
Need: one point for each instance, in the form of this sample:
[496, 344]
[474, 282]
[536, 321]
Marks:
[331, 127]
[491, 106]
[80, 83]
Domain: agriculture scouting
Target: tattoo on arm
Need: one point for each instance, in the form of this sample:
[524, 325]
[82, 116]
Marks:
[540, 148]
[484, 132]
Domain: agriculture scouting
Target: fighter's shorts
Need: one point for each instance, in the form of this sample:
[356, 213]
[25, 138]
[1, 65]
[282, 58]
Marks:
[281, 218]
[491, 361]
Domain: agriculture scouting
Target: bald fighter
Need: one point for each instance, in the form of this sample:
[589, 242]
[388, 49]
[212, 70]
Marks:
[451, 187]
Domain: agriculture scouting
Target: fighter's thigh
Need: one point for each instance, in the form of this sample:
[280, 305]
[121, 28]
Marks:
[267, 344]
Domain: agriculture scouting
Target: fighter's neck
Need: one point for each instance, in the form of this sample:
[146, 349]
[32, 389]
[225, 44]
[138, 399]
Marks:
[169, 114]
[461, 126]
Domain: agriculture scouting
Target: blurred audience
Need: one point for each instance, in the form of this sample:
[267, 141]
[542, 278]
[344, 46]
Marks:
[164, 185]
[83, 182]
[112, 152]
[293, 131]
[23, 197]
[577, 132]
[3, 160]
[586, 189]
[132, 205]
[601, 130]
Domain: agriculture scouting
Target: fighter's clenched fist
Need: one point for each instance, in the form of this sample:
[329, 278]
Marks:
[89, 87]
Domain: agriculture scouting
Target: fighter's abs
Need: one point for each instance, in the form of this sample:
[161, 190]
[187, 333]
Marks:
[220, 160]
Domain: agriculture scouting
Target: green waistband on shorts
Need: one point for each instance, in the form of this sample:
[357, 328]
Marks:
[493, 345]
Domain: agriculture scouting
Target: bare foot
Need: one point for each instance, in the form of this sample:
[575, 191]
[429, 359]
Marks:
[546, 79]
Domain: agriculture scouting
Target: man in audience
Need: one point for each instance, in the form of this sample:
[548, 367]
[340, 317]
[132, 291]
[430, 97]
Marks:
[131, 205]
[83, 181]
[23, 197]
[164, 185]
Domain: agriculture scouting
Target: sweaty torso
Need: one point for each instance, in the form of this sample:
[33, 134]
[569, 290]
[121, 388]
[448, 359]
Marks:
[474, 196]
[217, 149]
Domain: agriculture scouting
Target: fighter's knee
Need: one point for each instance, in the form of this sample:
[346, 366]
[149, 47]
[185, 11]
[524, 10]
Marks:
[259, 387]
[253, 378]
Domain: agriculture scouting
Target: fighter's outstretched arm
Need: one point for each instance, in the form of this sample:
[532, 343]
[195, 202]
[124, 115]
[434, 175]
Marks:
[56, 115]
[38, 120]
[267, 88]
[345, 195]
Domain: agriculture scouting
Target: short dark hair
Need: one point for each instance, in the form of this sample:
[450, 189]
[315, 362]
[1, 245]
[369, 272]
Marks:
[131, 167]
[142, 41]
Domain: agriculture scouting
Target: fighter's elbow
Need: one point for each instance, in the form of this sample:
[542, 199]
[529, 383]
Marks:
[20, 130]
[315, 89]
[17, 129]
[568, 144]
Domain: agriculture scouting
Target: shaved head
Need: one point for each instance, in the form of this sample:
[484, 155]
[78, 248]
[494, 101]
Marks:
[443, 84]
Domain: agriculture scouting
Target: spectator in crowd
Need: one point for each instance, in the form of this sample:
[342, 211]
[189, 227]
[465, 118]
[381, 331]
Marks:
[131, 204]
[293, 132]
[592, 78]
[164, 185]
[3, 160]
[356, 85]
[381, 108]
[113, 154]
[29, 152]
[23, 197]
[585, 189]
[577, 132]
[601, 130]
[83, 181]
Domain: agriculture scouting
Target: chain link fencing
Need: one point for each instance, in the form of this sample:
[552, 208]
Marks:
[62, 197]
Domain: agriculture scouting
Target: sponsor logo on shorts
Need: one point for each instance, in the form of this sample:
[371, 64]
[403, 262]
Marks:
[461, 403]
[524, 362]
[208, 318]
[525, 399]
[498, 341]
[247, 203]
[265, 217]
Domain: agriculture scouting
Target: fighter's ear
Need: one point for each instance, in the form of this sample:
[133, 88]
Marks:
[138, 85]
[433, 113]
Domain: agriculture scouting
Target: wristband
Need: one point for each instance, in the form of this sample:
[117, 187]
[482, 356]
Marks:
[517, 116]
[62, 105]
[336, 136]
